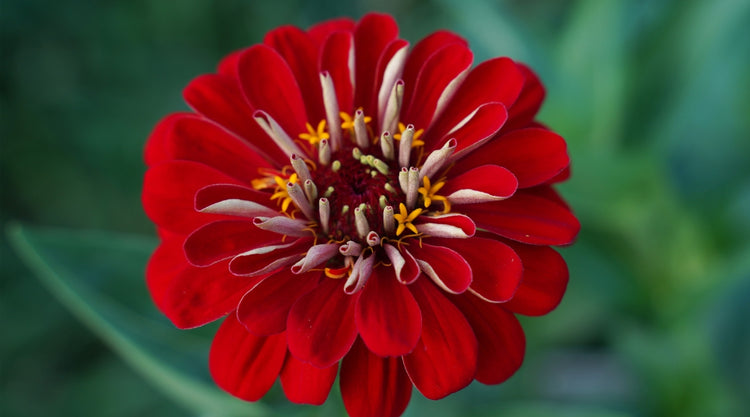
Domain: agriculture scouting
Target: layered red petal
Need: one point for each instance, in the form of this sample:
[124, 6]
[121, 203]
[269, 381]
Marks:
[269, 85]
[305, 384]
[219, 98]
[496, 268]
[225, 239]
[502, 343]
[321, 326]
[169, 190]
[372, 386]
[534, 155]
[387, 316]
[445, 359]
[301, 54]
[446, 267]
[264, 309]
[528, 217]
[243, 364]
[545, 278]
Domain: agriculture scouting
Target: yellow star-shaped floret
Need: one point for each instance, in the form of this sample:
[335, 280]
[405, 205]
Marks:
[429, 193]
[314, 136]
[405, 219]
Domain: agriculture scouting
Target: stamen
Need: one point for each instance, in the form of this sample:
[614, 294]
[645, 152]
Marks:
[412, 187]
[336, 166]
[324, 212]
[331, 104]
[344, 209]
[311, 191]
[404, 146]
[386, 145]
[357, 154]
[350, 248]
[277, 133]
[403, 179]
[300, 199]
[381, 166]
[437, 159]
[324, 152]
[393, 108]
[389, 221]
[388, 187]
[360, 221]
[329, 191]
[360, 130]
[361, 272]
[382, 201]
[300, 167]
[372, 239]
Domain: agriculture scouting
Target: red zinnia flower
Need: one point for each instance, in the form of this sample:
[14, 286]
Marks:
[348, 201]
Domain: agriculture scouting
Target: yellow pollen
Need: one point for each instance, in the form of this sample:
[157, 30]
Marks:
[429, 193]
[405, 219]
[415, 142]
[315, 136]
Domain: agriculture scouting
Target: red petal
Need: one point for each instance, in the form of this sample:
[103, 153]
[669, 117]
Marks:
[443, 67]
[190, 296]
[417, 60]
[243, 364]
[529, 101]
[496, 268]
[545, 278]
[477, 130]
[225, 239]
[269, 85]
[335, 59]
[374, 32]
[321, 326]
[264, 309]
[301, 54]
[219, 98]
[492, 180]
[306, 384]
[500, 336]
[197, 139]
[527, 217]
[156, 150]
[320, 32]
[169, 191]
[534, 155]
[372, 386]
[201, 295]
[387, 317]
[228, 64]
[445, 266]
[266, 261]
[495, 81]
[445, 359]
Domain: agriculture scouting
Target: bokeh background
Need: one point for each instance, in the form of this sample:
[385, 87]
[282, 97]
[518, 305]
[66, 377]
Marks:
[652, 96]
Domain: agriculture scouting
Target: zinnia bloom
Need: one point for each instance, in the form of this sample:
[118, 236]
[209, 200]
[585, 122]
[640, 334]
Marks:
[357, 207]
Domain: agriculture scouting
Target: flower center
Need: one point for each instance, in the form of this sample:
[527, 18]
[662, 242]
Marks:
[352, 181]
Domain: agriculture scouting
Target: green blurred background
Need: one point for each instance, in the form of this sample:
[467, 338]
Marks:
[652, 96]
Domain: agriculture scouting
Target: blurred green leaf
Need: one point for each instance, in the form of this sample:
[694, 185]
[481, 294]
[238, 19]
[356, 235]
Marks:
[92, 273]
